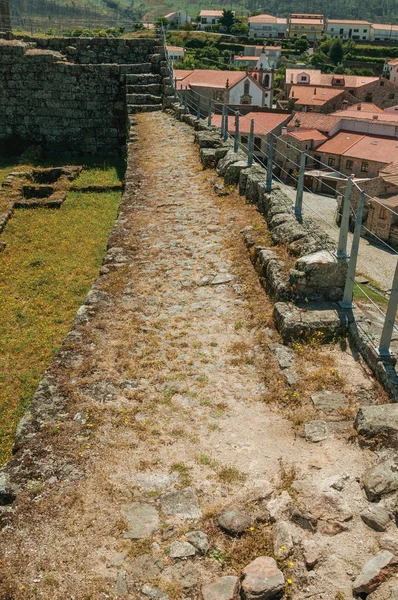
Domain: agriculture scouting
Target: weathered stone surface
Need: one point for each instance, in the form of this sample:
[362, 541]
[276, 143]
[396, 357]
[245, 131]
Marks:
[311, 552]
[389, 542]
[234, 522]
[222, 278]
[332, 574]
[375, 571]
[394, 593]
[229, 159]
[183, 503]
[223, 150]
[143, 567]
[316, 431]
[331, 506]
[380, 421]
[184, 572]
[322, 270]
[154, 593]
[121, 583]
[284, 355]
[207, 139]
[232, 173]
[156, 482]
[376, 517]
[208, 157]
[295, 322]
[224, 588]
[288, 231]
[8, 491]
[281, 507]
[181, 550]
[305, 520]
[283, 540]
[262, 579]
[199, 539]
[328, 401]
[381, 479]
[143, 520]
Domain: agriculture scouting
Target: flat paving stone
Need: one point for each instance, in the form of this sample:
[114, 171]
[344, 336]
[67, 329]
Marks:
[143, 520]
[183, 503]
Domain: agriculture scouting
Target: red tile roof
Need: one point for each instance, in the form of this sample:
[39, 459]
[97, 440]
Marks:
[323, 123]
[326, 80]
[349, 21]
[364, 147]
[262, 19]
[211, 13]
[264, 122]
[208, 78]
[308, 134]
[380, 117]
[313, 95]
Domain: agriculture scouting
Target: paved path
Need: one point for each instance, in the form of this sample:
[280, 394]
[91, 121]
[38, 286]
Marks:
[172, 382]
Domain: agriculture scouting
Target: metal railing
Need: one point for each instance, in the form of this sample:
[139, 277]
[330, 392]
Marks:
[203, 107]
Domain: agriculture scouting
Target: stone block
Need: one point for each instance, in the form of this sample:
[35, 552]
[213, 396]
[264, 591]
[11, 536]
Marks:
[229, 159]
[379, 423]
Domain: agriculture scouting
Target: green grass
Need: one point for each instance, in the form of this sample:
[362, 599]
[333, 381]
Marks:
[105, 174]
[51, 259]
[371, 289]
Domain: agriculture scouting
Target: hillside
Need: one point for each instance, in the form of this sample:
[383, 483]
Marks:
[108, 12]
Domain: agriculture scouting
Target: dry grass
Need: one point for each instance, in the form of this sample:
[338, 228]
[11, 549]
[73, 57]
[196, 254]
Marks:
[231, 475]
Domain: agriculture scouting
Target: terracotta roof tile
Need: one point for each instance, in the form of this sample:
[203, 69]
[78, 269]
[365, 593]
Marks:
[308, 134]
[313, 95]
[264, 122]
[364, 147]
[208, 78]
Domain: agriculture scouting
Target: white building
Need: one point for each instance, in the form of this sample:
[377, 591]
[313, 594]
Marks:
[391, 70]
[175, 53]
[177, 18]
[259, 57]
[382, 32]
[267, 26]
[229, 87]
[348, 29]
[210, 17]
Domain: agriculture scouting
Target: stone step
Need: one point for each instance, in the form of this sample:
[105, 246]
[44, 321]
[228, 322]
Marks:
[136, 68]
[136, 108]
[143, 99]
[142, 79]
[150, 88]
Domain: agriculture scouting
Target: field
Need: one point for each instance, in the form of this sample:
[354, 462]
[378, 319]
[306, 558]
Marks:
[51, 259]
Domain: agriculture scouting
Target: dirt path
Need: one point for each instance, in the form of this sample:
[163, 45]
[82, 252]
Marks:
[175, 388]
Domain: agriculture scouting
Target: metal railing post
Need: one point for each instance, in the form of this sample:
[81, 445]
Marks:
[186, 99]
[251, 144]
[223, 121]
[236, 140]
[388, 327]
[298, 207]
[352, 265]
[270, 160]
[226, 124]
[210, 111]
[198, 109]
[344, 224]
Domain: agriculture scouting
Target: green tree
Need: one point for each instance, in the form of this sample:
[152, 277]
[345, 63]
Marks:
[302, 44]
[240, 29]
[336, 51]
[227, 20]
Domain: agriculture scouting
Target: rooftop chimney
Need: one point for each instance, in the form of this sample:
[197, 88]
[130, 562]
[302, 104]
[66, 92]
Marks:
[375, 117]
[359, 106]
[284, 130]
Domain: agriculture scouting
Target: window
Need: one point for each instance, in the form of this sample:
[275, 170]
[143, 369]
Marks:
[383, 214]
[246, 88]
[365, 31]
[257, 143]
[331, 161]
[244, 139]
[368, 98]
[364, 37]
[356, 30]
[332, 29]
[317, 158]
[341, 31]
[364, 167]
[287, 146]
[391, 96]
[349, 164]
[381, 83]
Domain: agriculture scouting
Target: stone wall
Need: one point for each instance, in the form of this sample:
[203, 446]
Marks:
[51, 96]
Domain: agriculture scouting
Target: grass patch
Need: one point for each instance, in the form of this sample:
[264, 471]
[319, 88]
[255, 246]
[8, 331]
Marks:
[100, 174]
[231, 475]
[371, 290]
[47, 268]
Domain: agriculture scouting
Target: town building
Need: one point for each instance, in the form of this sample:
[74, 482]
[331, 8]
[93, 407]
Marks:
[228, 87]
[381, 32]
[207, 18]
[348, 29]
[310, 25]
[177, 19]
[288, 149]
[267, 26]
[259, 57]
[175, 53]
[390, 70]
[318, 99]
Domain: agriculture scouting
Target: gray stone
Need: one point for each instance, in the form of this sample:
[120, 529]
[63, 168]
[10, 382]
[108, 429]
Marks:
[377, 570]
[381, 479]
[121, 583]
[8, 491]
[234, 522]
[154, 593]
[389, 542]
[394, 593]
[380, 421]
[184, 572]
[144, 567]
[208, 157]
[117, 559]
[316, 431]
[284, 355]
[332, 574]
[262, 579]
[311, 552]
[183, 503]
[294, 322]
[156, 482]
[229, 159]
[328, 401]
[281, 507]
[305, 520]
[143, 520]
[222, 278]
[181, 550]
[207, 139]
[232, 173]
[322, 270]
[331, 506]
[283, 540]
[291, 376]
[81, 417]
[376, 517]
[224, 588]
[199, 539]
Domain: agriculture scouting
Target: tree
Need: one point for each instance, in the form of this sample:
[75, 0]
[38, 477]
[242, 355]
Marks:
[302, 44]
[240, 29]
[227, 20]
[336, 51]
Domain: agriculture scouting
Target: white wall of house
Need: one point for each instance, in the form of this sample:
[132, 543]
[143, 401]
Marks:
[268, 30]
[391, 71]
[346, 31]
[383, 33]
[255, 91]
[179, 18]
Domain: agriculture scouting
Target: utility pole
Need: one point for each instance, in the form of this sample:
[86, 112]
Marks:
[5, 17]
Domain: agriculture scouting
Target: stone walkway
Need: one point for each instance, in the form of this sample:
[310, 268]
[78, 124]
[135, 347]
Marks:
[179, 410]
